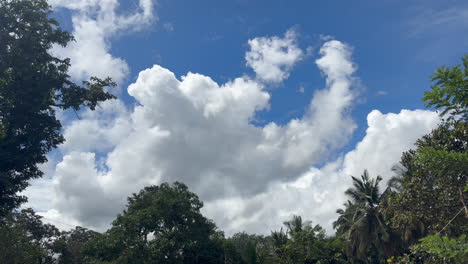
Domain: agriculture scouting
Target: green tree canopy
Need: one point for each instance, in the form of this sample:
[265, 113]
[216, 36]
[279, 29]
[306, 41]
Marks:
[69, 246]
[33, 84]
[305, 243]
[450, 91]
[435, 249]
[162, 224]
[432, 199]
[432, 190]
[24, 239]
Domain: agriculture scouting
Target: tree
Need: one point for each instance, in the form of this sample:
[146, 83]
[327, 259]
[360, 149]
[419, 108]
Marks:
[295, 224]
[431, 200]
[345, 218]
[246, 246]
[33, 85]
[362, 225]
[69, 245]
[450, 92]
[24, 239]
[231, 254]
[435, 249]
[279, 239]
[162, 224]
[448, 249]
[433, 186]
[305, 244]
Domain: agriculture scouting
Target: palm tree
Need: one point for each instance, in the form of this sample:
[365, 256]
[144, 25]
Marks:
[345, 218]
[296, 224]
[395, 184]
[365, 191]
[361, 223]
[279, 238]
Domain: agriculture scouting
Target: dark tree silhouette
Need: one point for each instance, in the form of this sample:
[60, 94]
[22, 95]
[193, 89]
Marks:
[33, 84]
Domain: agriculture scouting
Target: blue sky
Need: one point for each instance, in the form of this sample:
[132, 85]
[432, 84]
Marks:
[397, 45]
[394, 46]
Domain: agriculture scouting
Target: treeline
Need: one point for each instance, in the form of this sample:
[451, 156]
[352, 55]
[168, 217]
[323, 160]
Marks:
[420, 216]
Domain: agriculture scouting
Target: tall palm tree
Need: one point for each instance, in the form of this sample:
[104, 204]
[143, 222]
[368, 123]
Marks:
[365, 191]
[296, 224]
[279, 238]
[345, 218]
[395, 184]
[361, 223]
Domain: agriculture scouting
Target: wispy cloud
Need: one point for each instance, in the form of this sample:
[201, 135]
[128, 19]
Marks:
[169, 27]
[427, 21]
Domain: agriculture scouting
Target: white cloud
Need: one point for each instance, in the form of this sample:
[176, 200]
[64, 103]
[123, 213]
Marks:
[386, 137]
[59, 220]
[315, 195]
[199, 132]
[78, 180]
[319, 192]
[94, 23]
[272, 58]
[98, 131]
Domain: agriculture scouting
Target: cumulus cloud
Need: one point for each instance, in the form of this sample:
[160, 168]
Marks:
[98, 131]
[387, 136]
[317, 193]
[272, 58]
[195, 130]
[94, 23]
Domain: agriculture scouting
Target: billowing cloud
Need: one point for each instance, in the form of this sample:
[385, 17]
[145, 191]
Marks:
[317, 193]
[94, 23]
[272, 58]
[199, 132]
[195, 130]
[98, 131]
[387, 136]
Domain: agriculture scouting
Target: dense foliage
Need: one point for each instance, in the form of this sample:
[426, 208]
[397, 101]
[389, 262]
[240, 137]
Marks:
[432, 190]
[25, 239]
[33, 85]
[162, 224]
[420, 217]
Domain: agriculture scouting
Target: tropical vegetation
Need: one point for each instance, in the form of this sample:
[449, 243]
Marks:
[420, 216]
